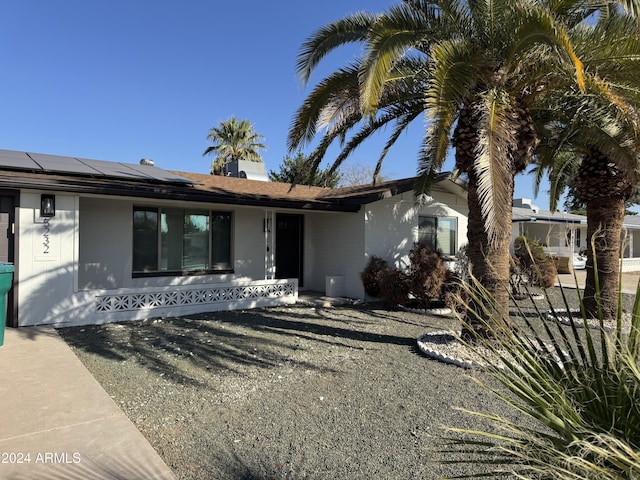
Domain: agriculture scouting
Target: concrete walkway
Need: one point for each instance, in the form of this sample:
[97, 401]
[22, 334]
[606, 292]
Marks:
[629, 280]
[57, 422]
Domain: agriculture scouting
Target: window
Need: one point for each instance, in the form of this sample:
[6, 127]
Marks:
[180, 241]
[438, 233]
[145, 240]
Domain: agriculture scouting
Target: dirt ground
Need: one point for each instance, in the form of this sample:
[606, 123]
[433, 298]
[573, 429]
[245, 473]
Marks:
[297, 392]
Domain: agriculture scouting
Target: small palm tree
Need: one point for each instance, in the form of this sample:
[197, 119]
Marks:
[233, 140]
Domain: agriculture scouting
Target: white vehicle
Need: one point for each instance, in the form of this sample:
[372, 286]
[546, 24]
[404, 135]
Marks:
[579, 262]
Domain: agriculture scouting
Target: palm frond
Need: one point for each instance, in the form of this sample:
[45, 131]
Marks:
[453, 64]
[351, 29]
[632, 7]
[493, 166]
[390, 39]
[540, 27]
[304, 126]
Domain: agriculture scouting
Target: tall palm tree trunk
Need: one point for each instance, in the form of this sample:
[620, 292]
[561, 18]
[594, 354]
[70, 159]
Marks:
[490, 269]
[604, 189]
[604, 229]
[490, 259]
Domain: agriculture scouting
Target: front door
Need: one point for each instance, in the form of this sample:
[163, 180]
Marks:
[7, 218]
[289, 238]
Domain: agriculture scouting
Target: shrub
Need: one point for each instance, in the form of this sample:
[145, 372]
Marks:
[534, 262]
[426, 275]
[372, 274]
[424, 280]
[394, 287]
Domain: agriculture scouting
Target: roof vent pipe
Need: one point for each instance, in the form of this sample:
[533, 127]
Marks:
[147, 161]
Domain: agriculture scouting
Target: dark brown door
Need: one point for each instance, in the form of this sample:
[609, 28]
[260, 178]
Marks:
[289, 238]
[7, 219]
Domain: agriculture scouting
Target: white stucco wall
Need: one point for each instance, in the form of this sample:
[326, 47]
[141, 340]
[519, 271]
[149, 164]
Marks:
[334, 247]
[249, 246]
[340, 244]
[85, 275]
[105, 243]
[390, 231]
[392, 224]
[47, 257]
[76, 267]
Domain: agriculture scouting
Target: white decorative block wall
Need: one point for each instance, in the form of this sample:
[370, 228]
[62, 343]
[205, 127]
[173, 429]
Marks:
[209, 295]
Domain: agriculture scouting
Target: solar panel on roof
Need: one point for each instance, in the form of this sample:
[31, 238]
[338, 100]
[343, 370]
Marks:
[17, 160]
[56, 163]
[13, 160]
[113, 169]
[159, 173]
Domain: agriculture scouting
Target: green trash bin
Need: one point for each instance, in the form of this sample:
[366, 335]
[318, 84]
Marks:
[6, 280]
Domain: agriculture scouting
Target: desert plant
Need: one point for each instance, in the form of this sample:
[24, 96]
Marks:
[462, 265]
[534, 262]
[580, 389]
[394, 288]
[517, 279]
[372, 274]
[426, 275]
[454, 292]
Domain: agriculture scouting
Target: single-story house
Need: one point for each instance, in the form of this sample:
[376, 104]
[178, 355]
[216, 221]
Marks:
[95, 241]
[564, 234]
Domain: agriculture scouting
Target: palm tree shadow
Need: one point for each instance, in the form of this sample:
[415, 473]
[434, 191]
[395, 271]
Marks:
[189, 349]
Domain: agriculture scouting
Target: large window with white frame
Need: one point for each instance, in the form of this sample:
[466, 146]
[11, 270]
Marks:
[438, 233]
[176, 241]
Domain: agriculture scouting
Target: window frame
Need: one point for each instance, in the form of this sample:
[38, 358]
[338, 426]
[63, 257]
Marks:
[159, 246]
[454, 236]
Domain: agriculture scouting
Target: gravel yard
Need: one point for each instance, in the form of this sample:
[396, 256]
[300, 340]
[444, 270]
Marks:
[290, 392]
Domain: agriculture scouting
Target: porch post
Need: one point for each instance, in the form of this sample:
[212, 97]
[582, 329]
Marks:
[268, 226]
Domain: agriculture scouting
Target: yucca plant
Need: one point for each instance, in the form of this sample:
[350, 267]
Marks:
[577, 392]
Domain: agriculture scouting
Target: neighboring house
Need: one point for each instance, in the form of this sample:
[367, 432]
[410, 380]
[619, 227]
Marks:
[95, 241]
[631, 243]
[560, 234]
[564, 234]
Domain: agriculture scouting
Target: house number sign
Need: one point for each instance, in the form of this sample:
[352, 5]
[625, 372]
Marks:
[45, 236]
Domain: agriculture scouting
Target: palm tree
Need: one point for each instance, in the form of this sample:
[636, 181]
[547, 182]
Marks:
[476, 68]
[233, 140]
[594, 142]
[334, 105]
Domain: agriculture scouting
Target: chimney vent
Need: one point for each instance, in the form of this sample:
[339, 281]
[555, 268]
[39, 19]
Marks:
[147, 161]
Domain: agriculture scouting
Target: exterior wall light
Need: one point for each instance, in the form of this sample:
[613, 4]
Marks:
[47, 205]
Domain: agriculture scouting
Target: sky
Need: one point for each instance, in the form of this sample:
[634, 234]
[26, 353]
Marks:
[122, 80]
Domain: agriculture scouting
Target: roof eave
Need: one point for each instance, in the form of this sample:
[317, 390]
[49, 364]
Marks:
[171, 192]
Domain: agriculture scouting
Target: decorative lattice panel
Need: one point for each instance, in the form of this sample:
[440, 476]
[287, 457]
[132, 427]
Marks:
[178, 298]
